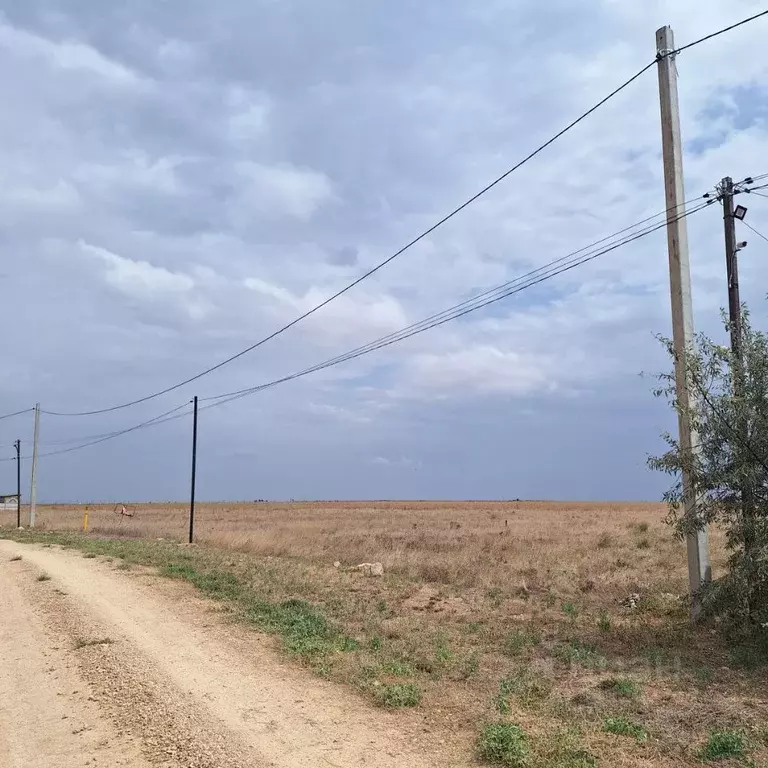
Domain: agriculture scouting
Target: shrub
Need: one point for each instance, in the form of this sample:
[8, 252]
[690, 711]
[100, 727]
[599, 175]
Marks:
[398, 695]
[722, 745]
[503, 744]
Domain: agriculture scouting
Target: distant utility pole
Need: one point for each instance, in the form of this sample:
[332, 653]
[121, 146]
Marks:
[699, 568]
[194, 471]
[17, 445]
[33, 479]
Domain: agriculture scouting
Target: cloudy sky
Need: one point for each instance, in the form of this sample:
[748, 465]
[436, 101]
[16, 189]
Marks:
[181, 178]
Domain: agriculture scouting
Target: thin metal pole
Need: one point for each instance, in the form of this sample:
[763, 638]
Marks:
[699, 568]
[33, 477]
[194, 470]
[18, 483]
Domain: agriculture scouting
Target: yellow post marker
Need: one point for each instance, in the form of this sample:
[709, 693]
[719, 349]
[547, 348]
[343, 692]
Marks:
[85, 522]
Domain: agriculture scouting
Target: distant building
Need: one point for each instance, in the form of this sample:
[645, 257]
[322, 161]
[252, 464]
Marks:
[8, 503]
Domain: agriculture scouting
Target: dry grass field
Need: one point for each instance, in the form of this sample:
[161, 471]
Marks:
[488, 614]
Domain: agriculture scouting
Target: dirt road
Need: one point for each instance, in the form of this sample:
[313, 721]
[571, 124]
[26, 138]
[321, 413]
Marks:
[102, 667]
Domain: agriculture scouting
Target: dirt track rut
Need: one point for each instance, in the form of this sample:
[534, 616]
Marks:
[103, 667]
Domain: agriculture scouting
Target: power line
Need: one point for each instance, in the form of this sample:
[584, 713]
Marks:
[471, 305]
[413, 242]
[719, 32]
[110, 436]
[552, 269]
[17, 413]
[749, 226]
[375, 269]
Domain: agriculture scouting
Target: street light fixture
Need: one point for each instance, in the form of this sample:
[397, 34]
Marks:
[740, 212]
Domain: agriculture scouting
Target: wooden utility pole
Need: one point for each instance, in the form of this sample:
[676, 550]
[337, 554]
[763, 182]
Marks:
[17, 445]
[731, 266]
[726, 192]
[194, 472]
[699, 568]
[33, 476]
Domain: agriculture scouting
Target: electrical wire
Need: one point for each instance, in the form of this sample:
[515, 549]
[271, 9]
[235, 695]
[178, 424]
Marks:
[553, 268]
[719, 32]
[110, 436]
[749, 226]
[415, 240]
[376, 268]
[17, 413]
[471, 305]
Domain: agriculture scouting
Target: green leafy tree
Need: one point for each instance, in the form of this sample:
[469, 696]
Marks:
[729, 412]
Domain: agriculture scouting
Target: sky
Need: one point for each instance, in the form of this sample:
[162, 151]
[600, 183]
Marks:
[179, 179]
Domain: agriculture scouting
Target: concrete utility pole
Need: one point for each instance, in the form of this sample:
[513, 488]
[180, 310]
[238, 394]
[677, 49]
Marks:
[33, 479]
[699, 568]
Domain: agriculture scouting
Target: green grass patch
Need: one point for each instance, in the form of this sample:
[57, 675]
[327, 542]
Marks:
[519, 639]
[620, 726]
[397, 668]
[398, 695]
[571, 610]
[503, 744]
[723, 745]
[526, 685]
[604, 622]
[580, 653]
[622, 686]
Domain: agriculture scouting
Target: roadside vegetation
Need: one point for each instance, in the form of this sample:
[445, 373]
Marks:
[565, 645]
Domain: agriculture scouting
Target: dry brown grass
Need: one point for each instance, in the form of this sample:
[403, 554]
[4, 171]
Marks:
[478, 592]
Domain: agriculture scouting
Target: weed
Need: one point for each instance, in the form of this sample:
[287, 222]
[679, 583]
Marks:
[620, 726]
[576, 652]
[503, 744]
[571, 610]
[375, 643]
[622, 686]
[520, 639]
[43, 577]
[83, 643]
[561, 749]
[550, 600]
[398, 668]
[443, 653]
[381, 606]
[605, 541]
[474, 627]
[349, 644]
[722, 745]
[469, 666]
[89, 555]
[620, 562]
[124, 566]
[525, 684]
[398, 695]
[15, 558]
[604, 622]
[641, 527]
[643, 544]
